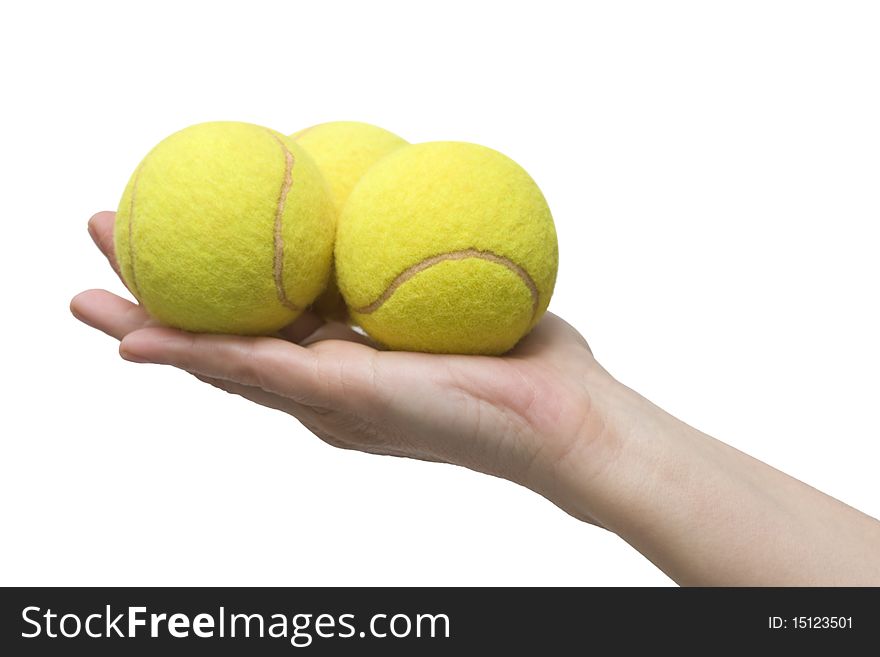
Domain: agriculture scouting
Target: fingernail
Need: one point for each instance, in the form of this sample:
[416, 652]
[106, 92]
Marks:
[131, 357]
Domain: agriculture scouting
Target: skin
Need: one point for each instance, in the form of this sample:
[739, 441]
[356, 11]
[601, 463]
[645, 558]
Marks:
[546, 416]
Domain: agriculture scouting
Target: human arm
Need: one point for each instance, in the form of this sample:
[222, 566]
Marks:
[546, 416]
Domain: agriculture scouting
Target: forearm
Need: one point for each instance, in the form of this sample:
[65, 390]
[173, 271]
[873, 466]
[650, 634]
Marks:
[705, 513]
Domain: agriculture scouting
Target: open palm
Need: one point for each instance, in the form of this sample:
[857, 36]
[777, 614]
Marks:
[516, 416]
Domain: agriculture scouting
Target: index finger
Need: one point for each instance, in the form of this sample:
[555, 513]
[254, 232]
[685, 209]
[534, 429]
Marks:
[101, 232]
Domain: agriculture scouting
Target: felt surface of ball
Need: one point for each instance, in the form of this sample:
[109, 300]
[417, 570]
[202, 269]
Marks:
[446, 247]
[343, 151]
[226, 227]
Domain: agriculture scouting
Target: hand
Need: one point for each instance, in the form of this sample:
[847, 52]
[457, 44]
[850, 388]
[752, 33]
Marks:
[547, 416]
[520, 417]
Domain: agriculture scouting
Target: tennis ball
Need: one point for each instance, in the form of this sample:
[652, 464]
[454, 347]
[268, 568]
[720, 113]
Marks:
[446, 247]
[226, 228]
[343, 151]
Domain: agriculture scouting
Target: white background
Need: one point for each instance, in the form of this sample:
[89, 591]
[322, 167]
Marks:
[713, 169]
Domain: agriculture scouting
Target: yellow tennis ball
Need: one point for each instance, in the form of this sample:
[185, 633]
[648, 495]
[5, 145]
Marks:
[446, 247]
[226, 228]
[343, 151]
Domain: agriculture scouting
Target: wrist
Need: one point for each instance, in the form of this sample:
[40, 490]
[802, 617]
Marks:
[623, 442]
